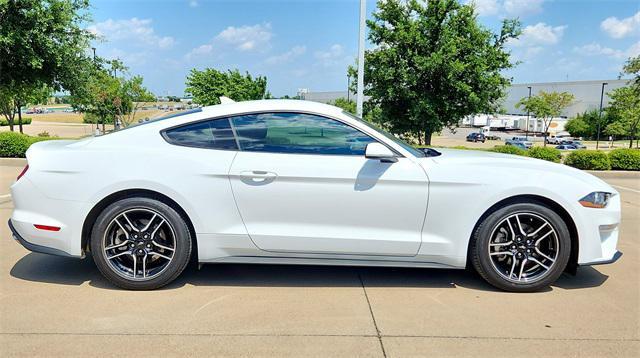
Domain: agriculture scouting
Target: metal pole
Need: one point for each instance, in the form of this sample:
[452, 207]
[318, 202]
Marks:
[94, 54]
[527, 130]
[600, 115]
[360, 96]
[348, 86]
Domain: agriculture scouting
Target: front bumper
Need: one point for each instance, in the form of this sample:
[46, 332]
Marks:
[617, 255]
[34, 247]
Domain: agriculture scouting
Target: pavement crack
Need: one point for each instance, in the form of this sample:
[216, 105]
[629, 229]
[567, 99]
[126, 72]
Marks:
[373, 317]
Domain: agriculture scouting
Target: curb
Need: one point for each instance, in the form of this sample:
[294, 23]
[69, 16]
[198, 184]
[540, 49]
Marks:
[13, 162]
[615, 174]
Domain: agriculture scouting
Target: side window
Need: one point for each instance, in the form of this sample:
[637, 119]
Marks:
[214, 134]
[298, 133]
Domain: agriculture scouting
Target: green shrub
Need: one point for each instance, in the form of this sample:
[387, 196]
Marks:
[588, 160]
[625, 159]
[4, 122]
[14, 144]
[545, 153]
[509, 149]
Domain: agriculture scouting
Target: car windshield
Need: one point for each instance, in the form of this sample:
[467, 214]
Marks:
[406, 146]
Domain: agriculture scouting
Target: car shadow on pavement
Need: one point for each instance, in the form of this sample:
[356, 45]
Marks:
[68, 271]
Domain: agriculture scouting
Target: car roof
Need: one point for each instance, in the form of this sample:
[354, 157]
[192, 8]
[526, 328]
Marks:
[270, 105]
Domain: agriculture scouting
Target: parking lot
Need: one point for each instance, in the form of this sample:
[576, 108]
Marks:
[53, 306]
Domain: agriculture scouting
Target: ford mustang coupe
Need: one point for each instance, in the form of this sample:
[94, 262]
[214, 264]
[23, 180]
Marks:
[296, 182]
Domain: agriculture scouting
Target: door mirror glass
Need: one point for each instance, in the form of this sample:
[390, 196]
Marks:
[381, 152]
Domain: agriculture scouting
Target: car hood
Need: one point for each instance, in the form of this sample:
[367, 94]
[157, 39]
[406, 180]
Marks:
[510, 166]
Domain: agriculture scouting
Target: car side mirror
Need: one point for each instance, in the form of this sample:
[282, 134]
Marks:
[380, 152]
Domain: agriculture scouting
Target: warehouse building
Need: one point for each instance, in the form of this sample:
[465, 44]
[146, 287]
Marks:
[587, 94]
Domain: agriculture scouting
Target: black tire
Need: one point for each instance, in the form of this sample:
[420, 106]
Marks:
[176, 225]
[483, 264]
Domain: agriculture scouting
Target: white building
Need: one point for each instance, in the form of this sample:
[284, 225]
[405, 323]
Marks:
[586, 93]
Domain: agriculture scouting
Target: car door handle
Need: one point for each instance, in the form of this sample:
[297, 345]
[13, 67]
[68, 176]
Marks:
[258, 176]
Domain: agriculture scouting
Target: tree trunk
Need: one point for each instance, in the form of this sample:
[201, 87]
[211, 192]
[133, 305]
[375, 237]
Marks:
[19, 116]
[427, 137]
[631, 142]
[544, 142]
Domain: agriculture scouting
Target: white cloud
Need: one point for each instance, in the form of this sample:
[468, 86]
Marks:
[134, 31]
[247, 38]
[294, 52]
[335, 55]
[486, 7]
[540, 34]
[507, 7]
[522, 7]
[193, 3]
[595, 49]
[243, 38]
[621, 28]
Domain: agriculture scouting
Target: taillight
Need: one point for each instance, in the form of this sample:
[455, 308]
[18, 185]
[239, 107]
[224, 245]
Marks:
[24, 171]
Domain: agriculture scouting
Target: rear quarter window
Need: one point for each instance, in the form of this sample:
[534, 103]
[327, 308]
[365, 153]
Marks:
[211, 134]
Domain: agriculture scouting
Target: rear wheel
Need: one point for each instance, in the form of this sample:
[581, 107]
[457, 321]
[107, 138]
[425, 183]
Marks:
[140, 243]
[522, 247]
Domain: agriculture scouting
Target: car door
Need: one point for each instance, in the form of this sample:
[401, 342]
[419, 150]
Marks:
[303, 185]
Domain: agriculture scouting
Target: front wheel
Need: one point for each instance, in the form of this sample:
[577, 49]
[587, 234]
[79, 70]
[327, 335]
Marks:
[522, 247]
[140, 243]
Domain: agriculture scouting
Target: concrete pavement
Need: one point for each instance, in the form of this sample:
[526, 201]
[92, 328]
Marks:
[52, 306]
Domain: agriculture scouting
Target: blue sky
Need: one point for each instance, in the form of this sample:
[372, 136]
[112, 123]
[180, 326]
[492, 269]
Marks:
[309, 44]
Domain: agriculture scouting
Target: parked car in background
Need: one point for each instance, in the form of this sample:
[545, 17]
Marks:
[519, 145]
[297, 182]
[565, 147]
[476, 137]
[574, 143]
[554, 140]
[519, 140]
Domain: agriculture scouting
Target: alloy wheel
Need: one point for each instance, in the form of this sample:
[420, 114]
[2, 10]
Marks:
[523, 247]
[139, 244]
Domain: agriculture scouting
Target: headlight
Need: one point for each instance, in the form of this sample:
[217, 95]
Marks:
[597, 199]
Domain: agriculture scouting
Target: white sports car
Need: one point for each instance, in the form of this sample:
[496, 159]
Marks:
[295, 182]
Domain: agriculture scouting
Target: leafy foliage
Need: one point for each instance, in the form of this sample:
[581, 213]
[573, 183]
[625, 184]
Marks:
[208, 85]
[13, 144]
[103, 98]
[42, 48]
[4, 122]
[625, 105]
[544, 153]
[546, 105]
[433, 65]
[588, 160]
[347, 105]
[625, 159]
[509, 149]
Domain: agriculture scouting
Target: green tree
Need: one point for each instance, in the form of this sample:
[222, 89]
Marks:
[632, 67]
[345, 104]
[43, 44]
[625, 104]
[208, 85]
[433, 64]
[546, 106]
[140, 96]
[586, 124]
[104, 98]
[578, 127]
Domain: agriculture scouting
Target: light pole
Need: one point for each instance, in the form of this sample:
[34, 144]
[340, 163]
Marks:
[526, 134]
[348, 86]
[359, 98]
[600, 115]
